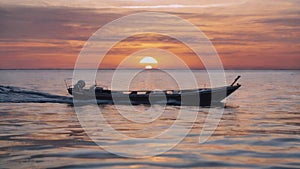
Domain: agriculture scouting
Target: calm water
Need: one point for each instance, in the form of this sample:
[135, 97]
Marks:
[260, 127]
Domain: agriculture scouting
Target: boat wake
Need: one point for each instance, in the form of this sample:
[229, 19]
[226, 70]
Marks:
[12, 94]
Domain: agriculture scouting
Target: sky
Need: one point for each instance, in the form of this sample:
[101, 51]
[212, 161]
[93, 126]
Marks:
[247, 34]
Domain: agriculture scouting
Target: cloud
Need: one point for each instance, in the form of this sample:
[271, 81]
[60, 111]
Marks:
[182, 6]
[290, 21]
[125, 4]
[51, 23]
[240, 35]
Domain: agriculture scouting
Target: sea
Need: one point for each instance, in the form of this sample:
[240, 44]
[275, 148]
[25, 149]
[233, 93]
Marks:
[258, 127]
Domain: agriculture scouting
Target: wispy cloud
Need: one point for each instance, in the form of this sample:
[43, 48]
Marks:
[123, 4]
[245, 36]
[181, 6]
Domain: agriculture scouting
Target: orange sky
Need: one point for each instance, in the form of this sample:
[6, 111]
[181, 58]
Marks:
[122, 52]
[246, 34]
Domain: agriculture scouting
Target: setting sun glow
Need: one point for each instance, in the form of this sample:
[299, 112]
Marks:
[148, 61]
[148, 67]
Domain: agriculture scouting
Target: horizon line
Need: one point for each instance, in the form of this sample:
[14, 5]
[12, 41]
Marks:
[149, 69]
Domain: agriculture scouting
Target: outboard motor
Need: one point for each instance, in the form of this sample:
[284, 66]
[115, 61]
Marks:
[79, 86]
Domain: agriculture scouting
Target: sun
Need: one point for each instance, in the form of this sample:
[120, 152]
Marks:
[148, 67]
[148, 62]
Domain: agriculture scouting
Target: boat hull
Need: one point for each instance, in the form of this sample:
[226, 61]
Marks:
[196, 97]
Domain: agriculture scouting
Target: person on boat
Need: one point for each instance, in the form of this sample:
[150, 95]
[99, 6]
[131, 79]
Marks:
[78, 87]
